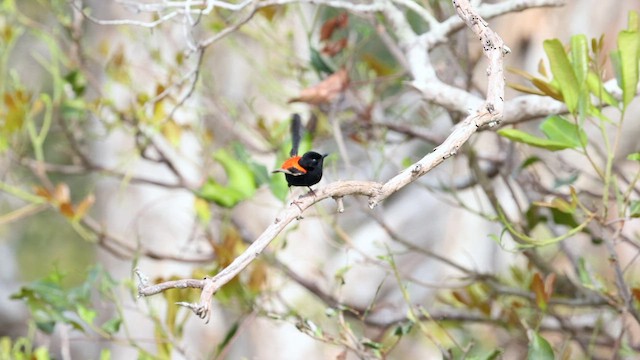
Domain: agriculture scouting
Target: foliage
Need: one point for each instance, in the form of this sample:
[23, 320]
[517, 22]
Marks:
[564, 218]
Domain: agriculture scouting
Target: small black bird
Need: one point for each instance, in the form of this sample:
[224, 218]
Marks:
[305, 170]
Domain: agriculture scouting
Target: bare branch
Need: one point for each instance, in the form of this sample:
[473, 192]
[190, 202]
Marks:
[489, 113]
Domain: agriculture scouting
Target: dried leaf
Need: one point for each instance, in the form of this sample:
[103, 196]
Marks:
[462, 297]
[332, 48]
[325, 91]
[537, 286]
[84, 206]
[269, 12]
[17, 107]
[378, 66]
[61, 193]
[42, 192]
[525, 89]
[543, 288]
[549, 281]
[172, 132]
[66, 209]
[257, 276]
[337, 22]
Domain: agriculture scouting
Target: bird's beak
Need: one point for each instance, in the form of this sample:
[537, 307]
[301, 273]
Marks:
[325, 155]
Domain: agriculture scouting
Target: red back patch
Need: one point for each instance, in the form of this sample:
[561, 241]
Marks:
[292, 165]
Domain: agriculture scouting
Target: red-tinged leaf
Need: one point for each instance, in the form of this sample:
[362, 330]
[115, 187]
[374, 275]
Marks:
[537, 286]
[636, 293]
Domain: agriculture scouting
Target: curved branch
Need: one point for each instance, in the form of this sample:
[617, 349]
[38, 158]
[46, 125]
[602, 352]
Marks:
[489, 113]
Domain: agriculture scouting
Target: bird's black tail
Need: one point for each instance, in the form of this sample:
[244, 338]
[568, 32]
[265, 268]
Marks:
[296, 134]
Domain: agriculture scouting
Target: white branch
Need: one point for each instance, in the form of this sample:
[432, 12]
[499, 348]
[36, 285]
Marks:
[488, 113]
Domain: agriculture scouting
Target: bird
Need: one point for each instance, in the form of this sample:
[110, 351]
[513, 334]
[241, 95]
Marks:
[305, 170]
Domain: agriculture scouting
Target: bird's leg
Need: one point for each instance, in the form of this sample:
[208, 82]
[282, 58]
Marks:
[313, 193]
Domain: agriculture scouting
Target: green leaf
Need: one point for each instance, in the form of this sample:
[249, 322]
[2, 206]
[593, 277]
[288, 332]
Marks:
[580, 62]
[41, 353]
[629, 50]
[616, 63]
[633, 22]
[46, 327]
[564, 218]
[372, 344]
[203, 211]
[87, 315]
[529, 161]
[634, 209]
[77, 81]
[112, 326]
[583, 274]
[493, 355]
[239, 175]
[259, 171]
[569, 180]
[539, 347]
[221, 195]
[525, 138]
[534, 217]
[560, 130]
[595, 85]
[403, 329]
[105, 354]
[278, 186]
[634, 156]
[580, 58]
[563, 73]
[231, 333]
[241, 182]
[318, 63]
